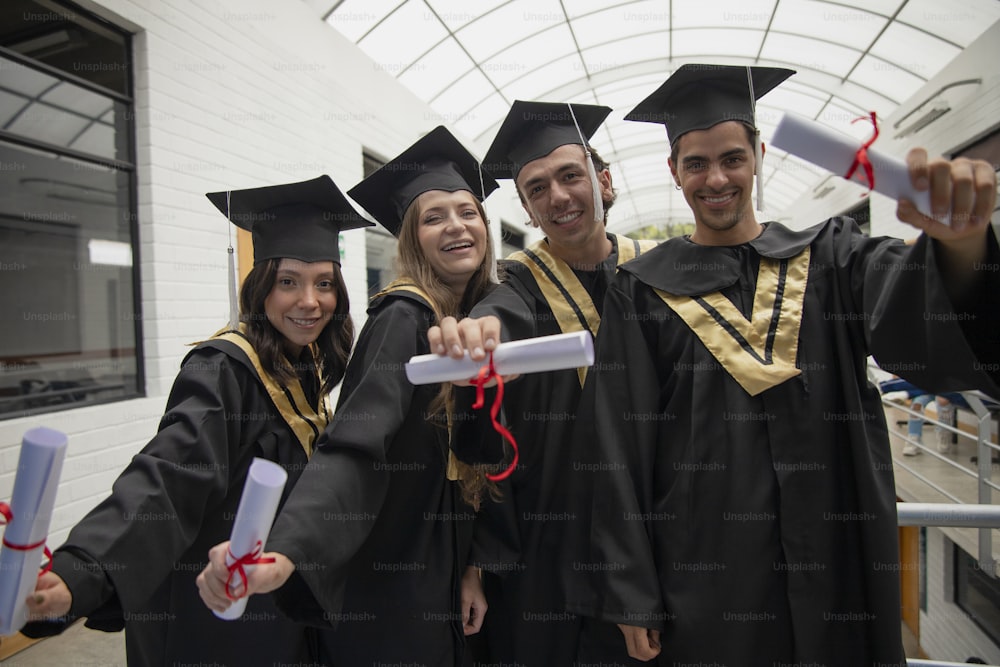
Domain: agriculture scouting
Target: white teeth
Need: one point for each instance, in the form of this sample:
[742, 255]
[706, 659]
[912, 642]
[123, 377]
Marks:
[302, 323]
[717, 200]
[463, 244]
[565, 218]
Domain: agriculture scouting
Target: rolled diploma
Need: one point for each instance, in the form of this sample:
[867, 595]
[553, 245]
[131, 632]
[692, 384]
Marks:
[531, 355]
[835, 151]
[39, 465]
[254, 516]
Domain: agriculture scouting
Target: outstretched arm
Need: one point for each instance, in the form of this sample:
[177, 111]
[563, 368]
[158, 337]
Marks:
[966, 191]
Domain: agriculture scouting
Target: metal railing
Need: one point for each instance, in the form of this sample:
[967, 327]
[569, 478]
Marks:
[913, 662]
[965, 515]
[983, 475]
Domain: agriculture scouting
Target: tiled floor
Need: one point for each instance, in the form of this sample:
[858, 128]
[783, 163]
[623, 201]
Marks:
[78, 646]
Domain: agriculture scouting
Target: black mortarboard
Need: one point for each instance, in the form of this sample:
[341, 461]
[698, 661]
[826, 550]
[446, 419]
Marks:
[437, 161]
[534, 129]
[696, 97]
[296, 220]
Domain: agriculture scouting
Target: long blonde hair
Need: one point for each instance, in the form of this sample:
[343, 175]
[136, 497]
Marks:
[412, 264]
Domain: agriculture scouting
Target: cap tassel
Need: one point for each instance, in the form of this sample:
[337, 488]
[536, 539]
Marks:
[591, 171]
[234, 310]
[758, 156]
[598, 199]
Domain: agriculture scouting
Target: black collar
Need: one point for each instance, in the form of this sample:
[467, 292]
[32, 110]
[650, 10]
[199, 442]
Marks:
[681, 266]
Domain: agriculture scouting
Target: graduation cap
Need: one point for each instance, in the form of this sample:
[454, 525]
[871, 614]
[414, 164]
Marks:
[697, 97]
[296, 220]
[438, 161]
[534, 129]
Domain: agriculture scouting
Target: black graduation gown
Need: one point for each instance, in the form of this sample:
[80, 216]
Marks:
[520, 541]
[767, 520]
[132, 561]
[378, 534]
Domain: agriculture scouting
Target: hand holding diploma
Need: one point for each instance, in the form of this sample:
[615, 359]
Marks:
[479, 337]
[949, 200]
[261, 578]
[505, 361]
[234, 563]
[28, 516]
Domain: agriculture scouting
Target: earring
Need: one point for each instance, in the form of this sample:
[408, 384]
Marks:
[677, 187]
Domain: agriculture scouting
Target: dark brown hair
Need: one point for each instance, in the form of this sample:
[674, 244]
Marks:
[333, 346]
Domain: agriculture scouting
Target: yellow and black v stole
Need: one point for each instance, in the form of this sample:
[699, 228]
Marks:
[761, 352]
[571, 305]
[306, 422]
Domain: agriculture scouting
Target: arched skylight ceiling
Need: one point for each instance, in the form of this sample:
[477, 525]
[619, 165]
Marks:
[471, 59]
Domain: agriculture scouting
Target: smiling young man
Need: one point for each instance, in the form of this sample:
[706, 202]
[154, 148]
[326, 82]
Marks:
[747, 515]
[555, 286]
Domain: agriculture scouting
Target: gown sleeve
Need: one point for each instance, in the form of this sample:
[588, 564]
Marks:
[914, 329]
[124, 549]
[475, 440]
[617, 409]
[509, 303]
[344, 478]
[496, 545]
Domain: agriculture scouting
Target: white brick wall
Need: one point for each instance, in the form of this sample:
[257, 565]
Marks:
[228, 93]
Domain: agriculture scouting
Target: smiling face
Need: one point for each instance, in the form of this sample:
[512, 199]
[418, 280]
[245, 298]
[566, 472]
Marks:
[557, 193]
[715, 169]
[452, 235]
[301, 302]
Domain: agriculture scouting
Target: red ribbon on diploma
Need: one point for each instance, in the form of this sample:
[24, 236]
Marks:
[861, 156]
[487, 373]
[8, 516]
[252, 558]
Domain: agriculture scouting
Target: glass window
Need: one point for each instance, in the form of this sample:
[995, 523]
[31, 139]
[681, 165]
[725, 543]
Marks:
[61, 36]
[862, 215]
[380, 245]
[511, 240]
[977, 593]
[67, 213]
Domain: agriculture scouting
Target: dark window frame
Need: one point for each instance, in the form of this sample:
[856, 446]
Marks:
[91, 395]
[965, 567]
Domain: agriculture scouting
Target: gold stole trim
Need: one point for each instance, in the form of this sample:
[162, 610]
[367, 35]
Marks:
[404, 286]
[306, 423]
[452, 473]
[760, 353]
[569, 301]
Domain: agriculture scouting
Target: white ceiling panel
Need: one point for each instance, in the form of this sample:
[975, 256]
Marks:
[470, 61]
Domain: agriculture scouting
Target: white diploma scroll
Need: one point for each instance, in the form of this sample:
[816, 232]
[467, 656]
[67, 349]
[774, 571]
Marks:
[531, 355]
[38, 468]
[258, 505]
[835, 151]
